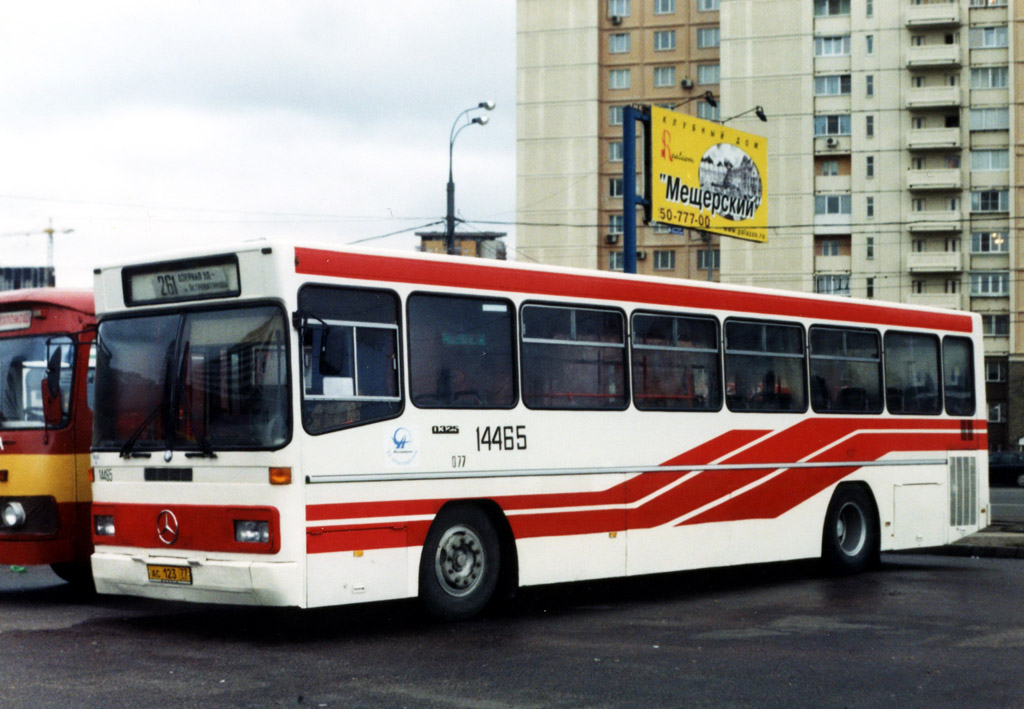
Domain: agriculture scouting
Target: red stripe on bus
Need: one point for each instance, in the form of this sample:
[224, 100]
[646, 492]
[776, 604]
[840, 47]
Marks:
[463, 274]
[769, 500]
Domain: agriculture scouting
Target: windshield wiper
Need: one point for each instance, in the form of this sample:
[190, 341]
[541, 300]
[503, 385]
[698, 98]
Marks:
[126, 449]
[202, 440]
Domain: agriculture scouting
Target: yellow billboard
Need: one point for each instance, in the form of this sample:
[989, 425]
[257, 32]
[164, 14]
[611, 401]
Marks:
[707, 176]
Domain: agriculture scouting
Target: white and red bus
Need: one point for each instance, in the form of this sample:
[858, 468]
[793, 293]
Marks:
[302, 426]
[45, 429]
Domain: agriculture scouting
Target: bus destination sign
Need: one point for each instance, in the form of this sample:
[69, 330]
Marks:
[181, 281]
[17, 320]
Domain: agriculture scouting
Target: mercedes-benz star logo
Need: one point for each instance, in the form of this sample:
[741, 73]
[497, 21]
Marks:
[167, 527]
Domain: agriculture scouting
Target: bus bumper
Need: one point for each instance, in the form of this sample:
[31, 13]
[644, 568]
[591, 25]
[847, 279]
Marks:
[254, 583]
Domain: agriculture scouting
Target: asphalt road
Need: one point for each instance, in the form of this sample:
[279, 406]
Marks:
[922, 631]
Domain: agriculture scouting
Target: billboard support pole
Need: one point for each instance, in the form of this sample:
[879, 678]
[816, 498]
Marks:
[630, 200]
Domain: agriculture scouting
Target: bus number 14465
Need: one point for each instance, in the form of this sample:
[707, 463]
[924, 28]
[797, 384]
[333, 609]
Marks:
[502, 438]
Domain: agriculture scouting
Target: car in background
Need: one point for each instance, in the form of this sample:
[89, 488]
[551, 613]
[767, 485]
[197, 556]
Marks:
[1006, 469]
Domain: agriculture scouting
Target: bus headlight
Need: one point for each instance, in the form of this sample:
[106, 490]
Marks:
[103, 525]
[14, 514]
[252, 531]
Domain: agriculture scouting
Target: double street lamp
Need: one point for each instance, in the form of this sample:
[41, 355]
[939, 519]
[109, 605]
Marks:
[449, 229]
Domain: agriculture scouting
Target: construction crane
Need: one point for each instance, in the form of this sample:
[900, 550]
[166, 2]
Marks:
[49, 231]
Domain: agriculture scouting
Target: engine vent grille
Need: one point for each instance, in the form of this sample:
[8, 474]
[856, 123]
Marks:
[963, 491]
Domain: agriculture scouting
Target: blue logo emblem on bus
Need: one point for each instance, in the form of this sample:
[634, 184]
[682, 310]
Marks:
[402, 448]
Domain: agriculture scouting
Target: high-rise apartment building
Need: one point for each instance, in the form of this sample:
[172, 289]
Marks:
[892, 159]
[579, 63]
[893, 147]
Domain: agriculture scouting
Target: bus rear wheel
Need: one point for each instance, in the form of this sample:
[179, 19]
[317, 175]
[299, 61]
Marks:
[460, 563]
[850, 540]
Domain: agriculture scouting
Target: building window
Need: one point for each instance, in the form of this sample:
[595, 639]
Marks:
[988, 3]
[869, 8]
[664, 76]
[618, 43]
[988, 37]
[869, 287]
[829, 247]
[708, 37]
[869, 85]
[836, 124]
[707, 5]
[664, 40]
[952, 286]
[989, 77]
[869, 209]
[982, 160]
[615, 151]
[664, 7]
[986, 284]
[823, 8]
[995, 370]
[989, 242]
[917, 204]
[615, 260]
[990, 201]
[703, 259]
[618, 79]
[707, 73]
[615, 187]
[832, 284]
[996, 412]
[990, 118]
[869, 166]
[615, 223]
[869, 126]
[618, 8]
[664, 260]
[831, 204]
[708, 112]
[838, 46]
[835, 85]
[829, 168]
[995, 325]
[870, 248]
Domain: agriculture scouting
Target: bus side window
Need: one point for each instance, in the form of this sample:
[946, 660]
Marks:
[958, 376]
[461, 352]
[350, 368]
[573, 358]
[912, 373]
[675, 363]
[764, 367]
[846, 370]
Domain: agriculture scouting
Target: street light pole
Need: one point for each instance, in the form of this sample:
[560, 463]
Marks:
[449, 225]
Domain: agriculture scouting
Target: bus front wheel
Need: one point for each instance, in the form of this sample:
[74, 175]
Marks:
[850, 540]
[460, 563]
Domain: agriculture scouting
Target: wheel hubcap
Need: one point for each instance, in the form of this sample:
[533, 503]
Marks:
[851, 529]
[459, 561]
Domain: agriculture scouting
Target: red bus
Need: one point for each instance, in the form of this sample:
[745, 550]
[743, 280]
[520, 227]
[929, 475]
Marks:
[46, 429]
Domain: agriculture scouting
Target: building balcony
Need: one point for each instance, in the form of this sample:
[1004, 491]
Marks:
[934, 97]
[831, 144]
[935, 220]
[933, 56]
[832, 223]
[934, 15]
[935, 262]
[833, 183]
[934, 138]
[832, 264]
[953, 301]
[934, 180]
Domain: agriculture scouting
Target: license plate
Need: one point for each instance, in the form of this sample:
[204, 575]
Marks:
[180, 575]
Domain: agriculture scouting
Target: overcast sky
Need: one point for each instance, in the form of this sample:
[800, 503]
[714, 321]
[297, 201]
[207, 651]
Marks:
[146, 126]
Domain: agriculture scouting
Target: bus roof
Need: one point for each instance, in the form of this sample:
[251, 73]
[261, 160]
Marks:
[78, 299]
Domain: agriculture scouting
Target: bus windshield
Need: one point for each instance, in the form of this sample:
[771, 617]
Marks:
[23, 362]
[193, 380]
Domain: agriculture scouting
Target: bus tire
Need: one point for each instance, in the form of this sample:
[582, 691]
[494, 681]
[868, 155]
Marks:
[850, 540]
[76, 573]
[460, 564]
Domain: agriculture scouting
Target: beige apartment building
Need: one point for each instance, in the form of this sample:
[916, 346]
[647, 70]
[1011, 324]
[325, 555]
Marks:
[892, 139]
[579, 63]
[892, 160]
